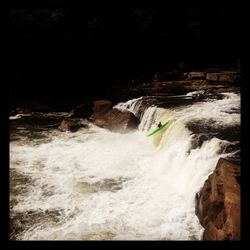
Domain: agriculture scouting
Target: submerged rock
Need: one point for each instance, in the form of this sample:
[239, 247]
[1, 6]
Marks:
[218, 203]
[70, 125]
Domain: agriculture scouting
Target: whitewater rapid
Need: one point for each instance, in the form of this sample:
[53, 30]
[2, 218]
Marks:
[98, 185]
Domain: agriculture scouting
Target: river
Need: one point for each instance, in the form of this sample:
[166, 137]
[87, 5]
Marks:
[99, 185]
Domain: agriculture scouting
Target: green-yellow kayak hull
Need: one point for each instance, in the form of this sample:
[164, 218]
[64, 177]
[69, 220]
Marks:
[158, 129]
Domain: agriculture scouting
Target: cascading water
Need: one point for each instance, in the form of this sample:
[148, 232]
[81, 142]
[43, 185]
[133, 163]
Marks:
[95, 184]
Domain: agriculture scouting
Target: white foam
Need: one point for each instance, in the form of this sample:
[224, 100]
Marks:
[159, 178]
[196, 93]
[132, 105]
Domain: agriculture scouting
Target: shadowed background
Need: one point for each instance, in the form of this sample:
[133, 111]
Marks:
[64, 56]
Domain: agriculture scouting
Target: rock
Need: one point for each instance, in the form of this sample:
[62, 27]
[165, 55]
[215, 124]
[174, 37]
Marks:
[225, 76]
[196, 76]
[70, 125]
[198, 140]
[103, 115]
[19, 113]
[82, 111]
[169, 76]
[23, 111]
[15, 117]
[229, 89]
[101, 107]
[117, 121]
[230, 77]
[212, 77]
[218, 203]
[91, 110]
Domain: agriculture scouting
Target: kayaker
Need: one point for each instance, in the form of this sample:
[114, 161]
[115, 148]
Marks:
[159, 125]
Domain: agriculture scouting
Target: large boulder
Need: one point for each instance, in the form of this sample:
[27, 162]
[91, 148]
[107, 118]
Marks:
[101, 107]
[117, 121]
[90, 110]
[218, 203]
[103, 115]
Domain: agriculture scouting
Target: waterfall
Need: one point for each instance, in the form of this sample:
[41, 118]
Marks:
[98, 185]
[142, 108]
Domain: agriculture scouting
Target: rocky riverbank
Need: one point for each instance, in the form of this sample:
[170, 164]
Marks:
[172, 83]
[218, 203]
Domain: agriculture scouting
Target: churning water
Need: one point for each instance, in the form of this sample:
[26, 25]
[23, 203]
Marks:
[98, 185]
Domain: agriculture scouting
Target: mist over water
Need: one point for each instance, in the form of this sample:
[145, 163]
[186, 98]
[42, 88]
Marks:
[96, 184]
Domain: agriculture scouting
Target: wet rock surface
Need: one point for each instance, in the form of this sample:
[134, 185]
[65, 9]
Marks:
[177, 83]
[71, 125]
[204, 130]
[103, 115]
[218, 203]
[117, 121]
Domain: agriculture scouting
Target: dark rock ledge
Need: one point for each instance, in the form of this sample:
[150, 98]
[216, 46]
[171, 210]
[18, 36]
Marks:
[218, 203]
[103, 115]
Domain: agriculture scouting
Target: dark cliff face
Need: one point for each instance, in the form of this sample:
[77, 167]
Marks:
[81, 53]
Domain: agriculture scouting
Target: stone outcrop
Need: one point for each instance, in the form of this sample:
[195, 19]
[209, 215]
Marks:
[218, 203]
[225, 76]
[212, 77]
[231, 77]
[171, 83]
[196, 76]
[103, 115]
